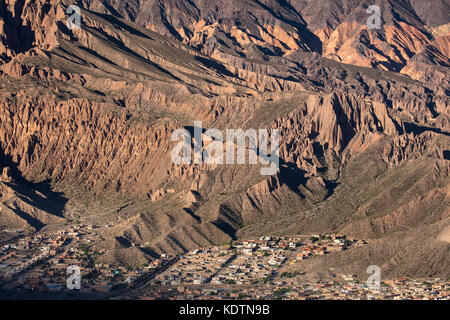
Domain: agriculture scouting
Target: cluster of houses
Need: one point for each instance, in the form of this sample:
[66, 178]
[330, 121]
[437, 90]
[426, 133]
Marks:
[249, 261]
[40, 263]
[249, 270]
[196, 267]
[252, 264]
[17, 258]
[397, 289]
[238, 263]
[240, 270]
[323, 244]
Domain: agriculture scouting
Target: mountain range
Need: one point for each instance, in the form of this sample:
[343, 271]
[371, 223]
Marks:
[87, 114]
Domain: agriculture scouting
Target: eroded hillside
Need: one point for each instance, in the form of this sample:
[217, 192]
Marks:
[86, 118]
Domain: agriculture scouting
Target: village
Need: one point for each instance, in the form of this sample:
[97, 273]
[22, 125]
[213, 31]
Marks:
[250, 270]
[40, 263]
[251, 261]
[396, 289]
[247, 269]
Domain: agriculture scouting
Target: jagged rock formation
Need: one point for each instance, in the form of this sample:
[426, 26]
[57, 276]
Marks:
[336, 29]
[86, 118]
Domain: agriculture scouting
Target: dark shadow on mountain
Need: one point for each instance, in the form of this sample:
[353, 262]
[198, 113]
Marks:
[95, 54]
[37, 194]
[431, 105]
[446, 154]
[176, 242]
[35, 223]
[318, 149]
[226, 228]
[150, 252]
[112, 10]
[191, 129]
[52, 202]
[292, 176]
[21, 36]
[166, 23]
[128, 51]
[212, 64]
[417, 129]
[124, 242]
[120, 24]
[312, 40]
[228, 221]
[190, 212]
[63, 28]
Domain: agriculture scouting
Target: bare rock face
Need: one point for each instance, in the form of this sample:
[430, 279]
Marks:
[363, 118]
[336, 29]
[432, 14]
[6, 174]
[26, 24]
[353, 43]
[431, 62]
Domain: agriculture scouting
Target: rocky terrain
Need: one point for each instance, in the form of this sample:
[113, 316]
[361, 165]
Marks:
[86, 119]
